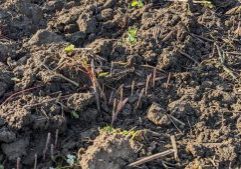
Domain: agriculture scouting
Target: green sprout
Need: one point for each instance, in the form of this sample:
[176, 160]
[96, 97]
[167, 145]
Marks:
[74, 114]
[137, 3]
[103, 74]
[69, 48]
[132, 35]
[134, 135]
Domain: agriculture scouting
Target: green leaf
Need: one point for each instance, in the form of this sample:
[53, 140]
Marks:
[69, 49]
[103, 74]
[132, 35]
[137, 3]
[132, 31]
[1, 167]
[75, 114]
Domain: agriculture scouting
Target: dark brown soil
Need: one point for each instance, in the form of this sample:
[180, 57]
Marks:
[54, 103]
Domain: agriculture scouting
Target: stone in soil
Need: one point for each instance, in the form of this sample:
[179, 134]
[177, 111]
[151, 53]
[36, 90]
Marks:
[157, 115]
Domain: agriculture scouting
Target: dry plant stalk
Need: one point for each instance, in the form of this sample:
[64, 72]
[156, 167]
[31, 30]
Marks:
[113, 111]
[139, 99]
[21, 92]
[189, 57]
[99, 93]
[60, 75]
[121, 92]
[111, 97]
[119, 108]
[52, 152]
[18, 163]
[46, 145]
[151, 158]
[141, 84]
[111, 67]
[174, 146]
[168, 80]
[237, 32]
[148, 78]
[121, 105]
[35, 161]
[56, 137]
[154, 77]
[93, 79]
[133, 87]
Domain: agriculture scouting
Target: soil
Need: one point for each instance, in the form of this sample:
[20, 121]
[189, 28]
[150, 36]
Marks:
[181, 77]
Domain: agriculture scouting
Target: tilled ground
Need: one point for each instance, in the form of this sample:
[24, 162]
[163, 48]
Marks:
[179, 77]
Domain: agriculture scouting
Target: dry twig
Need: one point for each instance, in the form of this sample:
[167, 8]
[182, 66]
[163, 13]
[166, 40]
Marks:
[174, 146]
[46, 145]
[151, 158]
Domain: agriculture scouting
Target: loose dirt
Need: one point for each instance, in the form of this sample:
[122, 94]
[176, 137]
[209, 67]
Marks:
[179, 76]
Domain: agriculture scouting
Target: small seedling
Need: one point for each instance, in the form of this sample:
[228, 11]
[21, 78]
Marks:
[134, 135]
[137, 3]
[103, 74]
[132, 35]
[74, 114]
[69, 48]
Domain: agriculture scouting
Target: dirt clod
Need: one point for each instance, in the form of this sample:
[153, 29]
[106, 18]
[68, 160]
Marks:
[109, 151]
[45, 37]
[157, 115]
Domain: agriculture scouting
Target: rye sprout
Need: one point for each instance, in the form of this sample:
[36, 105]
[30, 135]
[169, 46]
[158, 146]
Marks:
[132, 35]
[137, 3]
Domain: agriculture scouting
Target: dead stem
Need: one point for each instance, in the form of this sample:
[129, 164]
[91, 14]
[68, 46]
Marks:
[168, 80]
[133, 87]
[20, 92]
[56, 137]
[46, 145]
[35, 161]
[52, 152]
[140, 84]
[154, 77]
[61, 76]
[121, 92]
[111, 97]
[119, 108]
[121, 105]
[174, 146]
[201, 37]
[95, 86]
[151, 158]
[148, 78]
[139, 99]
[170, 118]
[111, 67]
[114, 111]
[18, 163]
[222, 58]
[189, 57]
